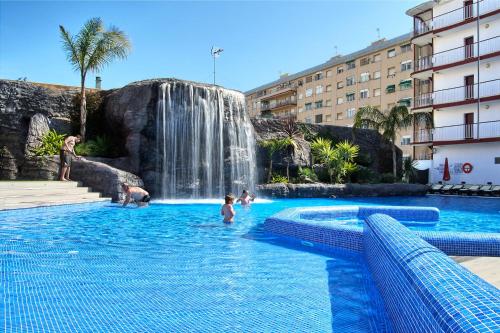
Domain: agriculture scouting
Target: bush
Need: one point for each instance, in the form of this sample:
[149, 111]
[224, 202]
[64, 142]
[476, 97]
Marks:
[101, 146]
[96, 122]
[364, 175]
[364, 160]
[279, 179]
[51, 144]
[307, 174]
[387, 178]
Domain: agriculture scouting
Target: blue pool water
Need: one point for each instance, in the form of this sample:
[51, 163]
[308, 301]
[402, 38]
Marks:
[102, 268]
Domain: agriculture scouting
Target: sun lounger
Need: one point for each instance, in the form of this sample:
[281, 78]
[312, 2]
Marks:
[445, 189]
[435, 188]
[456, 188]
[470, 189]
[494, 190]
[475, 191]
[465, 189]
[484, 189]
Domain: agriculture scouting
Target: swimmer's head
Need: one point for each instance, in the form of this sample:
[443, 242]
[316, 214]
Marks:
[229, 199]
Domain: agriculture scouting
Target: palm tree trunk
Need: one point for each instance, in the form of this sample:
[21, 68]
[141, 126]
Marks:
[83, 109]
[270, 169]
[394, 167]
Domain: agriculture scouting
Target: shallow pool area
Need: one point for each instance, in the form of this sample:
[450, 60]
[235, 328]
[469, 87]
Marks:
[177, 267]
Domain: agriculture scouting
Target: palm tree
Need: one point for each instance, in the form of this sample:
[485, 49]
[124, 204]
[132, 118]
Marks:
[338, 160]
[388, 123]
[91, 49]
[272, 146]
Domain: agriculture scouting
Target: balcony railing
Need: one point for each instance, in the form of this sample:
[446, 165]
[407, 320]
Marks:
[456, 16]
[468, 92]
[422, 100]
[423, 156]
[422, 135]
[475, 131]
[274, 105]
[465, 52]
[423, 63]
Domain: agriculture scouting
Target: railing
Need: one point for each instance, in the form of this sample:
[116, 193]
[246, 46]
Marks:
[463, 93]
[277, 90]
[423, 156]
[481, 130]
[422, 135]
[423, 63]
[464, 52]
[279, 103]
[456, 16]
[422, 100]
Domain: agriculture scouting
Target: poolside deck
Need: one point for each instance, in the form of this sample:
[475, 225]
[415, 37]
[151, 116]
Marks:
[487, 268]
[29, 194]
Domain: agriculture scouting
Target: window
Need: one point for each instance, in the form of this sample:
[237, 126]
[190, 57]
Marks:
[329, 87]
[308, 120]
[318, 118]
[309, 92]
[340, 100]
[340, 84]
[351, 113]
[351, 64]
[308, 106]
[318, 76]
[350, 81]
[364, 61]
[328, 102]
[377, 58]
[329, 73]
[319, 90]
[328, 118]
[391, 53]
[376, 92]
[391, 72]
[405, 102]
[340, 116]
[405, 84]
[350, 97]
[405, 48]
[301, 110]
[309, 79]
[390, 88]
[406, 65]
[340, 69]
[376, 75]
[318, 104]
[365, 77]
[405, 140]
[301, 96]
[364, 94]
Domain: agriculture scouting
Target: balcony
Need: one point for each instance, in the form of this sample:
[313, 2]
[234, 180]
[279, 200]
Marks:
[466, 53]
[280, 90]
[467, 133]
[423, 63]
[422, 27]
[278, 104]
[422, 100]
[488, 90]
[422, 135]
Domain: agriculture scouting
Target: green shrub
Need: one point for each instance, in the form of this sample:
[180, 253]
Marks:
[51, 144]
[364, 175]
[307, 174]
[279, 179]
[387, 178]
[364, 160]
[101, 146]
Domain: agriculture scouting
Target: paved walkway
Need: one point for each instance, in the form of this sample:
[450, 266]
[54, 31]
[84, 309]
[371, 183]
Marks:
[487, 268]
[28, 194]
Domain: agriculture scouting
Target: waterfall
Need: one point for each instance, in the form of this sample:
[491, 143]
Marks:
[205, 142]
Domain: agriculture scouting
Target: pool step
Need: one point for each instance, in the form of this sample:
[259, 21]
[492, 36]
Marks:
[27, 194]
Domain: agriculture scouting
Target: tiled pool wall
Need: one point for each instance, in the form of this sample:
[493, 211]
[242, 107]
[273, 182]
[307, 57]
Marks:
[422, 288]
[306, 224]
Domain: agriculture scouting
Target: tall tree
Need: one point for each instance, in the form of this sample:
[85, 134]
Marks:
[90, 50]
[389, 123]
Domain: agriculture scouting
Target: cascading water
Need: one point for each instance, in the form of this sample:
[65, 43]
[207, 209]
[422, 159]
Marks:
[205, 141]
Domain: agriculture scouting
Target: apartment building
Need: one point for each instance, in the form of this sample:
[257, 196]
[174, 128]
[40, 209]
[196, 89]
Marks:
[332, 92]
[456, 79]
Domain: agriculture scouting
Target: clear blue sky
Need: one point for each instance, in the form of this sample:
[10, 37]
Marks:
[173, 39]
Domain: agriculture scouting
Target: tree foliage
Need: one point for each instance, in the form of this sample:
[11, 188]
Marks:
[338, 159]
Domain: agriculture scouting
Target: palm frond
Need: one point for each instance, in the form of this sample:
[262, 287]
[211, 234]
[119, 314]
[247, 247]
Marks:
[113, 44]
[69, 45]
[88, 38]
[368, 117]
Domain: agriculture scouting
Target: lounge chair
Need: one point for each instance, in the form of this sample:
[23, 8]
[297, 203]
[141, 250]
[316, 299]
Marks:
[465, 189]
[456, 188]
[435, 188]
[483, 190]
[476, 191]
[494, 190]
[446, 189]
[470, 189]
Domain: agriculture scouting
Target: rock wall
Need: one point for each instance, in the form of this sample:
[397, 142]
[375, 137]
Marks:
[319, 190]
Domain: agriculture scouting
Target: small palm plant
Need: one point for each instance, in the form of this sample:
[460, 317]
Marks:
[272, 146]
[338, 160]
[389, 123]
[90, 50]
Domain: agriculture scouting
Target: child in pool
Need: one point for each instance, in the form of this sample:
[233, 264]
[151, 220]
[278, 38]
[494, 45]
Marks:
[246, 198]
[227, 209]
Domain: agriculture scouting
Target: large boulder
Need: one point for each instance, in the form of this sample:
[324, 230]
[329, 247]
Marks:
[39, 126]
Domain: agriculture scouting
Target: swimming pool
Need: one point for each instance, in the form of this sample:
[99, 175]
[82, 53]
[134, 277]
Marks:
[98, 267]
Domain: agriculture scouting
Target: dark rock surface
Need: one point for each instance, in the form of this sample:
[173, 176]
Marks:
[8, 167]
[39, 125]
[320, 190]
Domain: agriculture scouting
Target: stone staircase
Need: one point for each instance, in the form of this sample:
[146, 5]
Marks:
[27, 194]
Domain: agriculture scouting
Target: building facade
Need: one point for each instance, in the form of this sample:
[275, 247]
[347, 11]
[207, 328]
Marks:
[332, 92]
[456, 79]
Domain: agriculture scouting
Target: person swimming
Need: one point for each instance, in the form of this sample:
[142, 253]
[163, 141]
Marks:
[227, 209]
[246, 198]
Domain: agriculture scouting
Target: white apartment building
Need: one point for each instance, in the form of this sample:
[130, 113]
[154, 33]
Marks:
[457, 79]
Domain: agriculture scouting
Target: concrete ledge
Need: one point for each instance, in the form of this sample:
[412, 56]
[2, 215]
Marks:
[320, 190]
[423, 289]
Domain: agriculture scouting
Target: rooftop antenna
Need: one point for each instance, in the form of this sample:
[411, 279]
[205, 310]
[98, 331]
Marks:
[336, 50]
[378, 33]
[215, 52]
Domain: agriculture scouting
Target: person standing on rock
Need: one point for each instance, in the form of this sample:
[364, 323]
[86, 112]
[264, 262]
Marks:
[66, 156]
